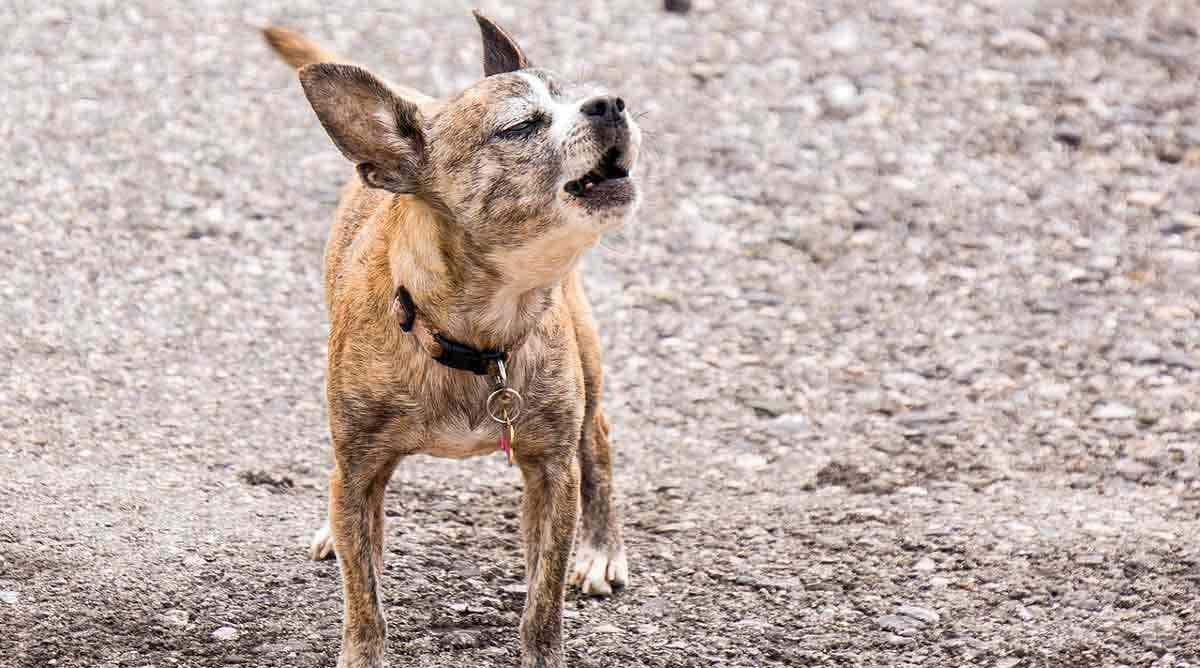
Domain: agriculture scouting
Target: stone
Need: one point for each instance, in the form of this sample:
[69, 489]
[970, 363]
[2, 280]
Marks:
[750, 461]
[841, 96]
[1145, 199]
[899, 624]
[841, 38]
[9, 597]
[1131, 469]
[923, 615]
[1113, 410]
[605, 628]
[925, 565]
[175, 617]
[226, 634]
[771, 407]
[1019, 41]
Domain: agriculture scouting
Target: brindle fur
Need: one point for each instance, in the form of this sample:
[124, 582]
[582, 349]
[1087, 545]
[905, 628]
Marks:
[483, 237]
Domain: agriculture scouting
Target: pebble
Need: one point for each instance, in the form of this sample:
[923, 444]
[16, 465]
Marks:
[923, 615]
[175, 617]
[9, 597]
[674, 527]
[750, 461]
[925, 565]
[226, 633]
[1054, 391]
[841, 96]
[1113, 410]
[899, 624]
[1019, 40]
[1007, 662]
[841, 38]
[1146, 199]
[1132, 469]
[771, 407]
[605, 628]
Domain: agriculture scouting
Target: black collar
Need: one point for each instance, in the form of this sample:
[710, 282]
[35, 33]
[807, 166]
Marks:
[452, 353]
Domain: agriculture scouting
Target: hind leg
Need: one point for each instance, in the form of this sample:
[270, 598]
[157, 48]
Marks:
[321, 546]
[601, 566]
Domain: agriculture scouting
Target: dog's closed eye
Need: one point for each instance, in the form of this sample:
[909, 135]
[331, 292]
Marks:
[521, 129]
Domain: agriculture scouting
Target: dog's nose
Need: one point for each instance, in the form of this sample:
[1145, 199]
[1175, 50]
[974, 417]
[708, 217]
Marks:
[604, 107]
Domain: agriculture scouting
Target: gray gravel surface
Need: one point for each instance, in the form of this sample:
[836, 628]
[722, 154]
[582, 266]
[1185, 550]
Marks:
[903, 352]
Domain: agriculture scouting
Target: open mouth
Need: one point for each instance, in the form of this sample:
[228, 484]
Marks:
[608, 169]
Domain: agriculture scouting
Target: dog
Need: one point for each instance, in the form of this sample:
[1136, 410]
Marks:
[458, 323]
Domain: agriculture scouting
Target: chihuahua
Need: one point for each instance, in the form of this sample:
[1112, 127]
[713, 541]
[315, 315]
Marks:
[458, 321]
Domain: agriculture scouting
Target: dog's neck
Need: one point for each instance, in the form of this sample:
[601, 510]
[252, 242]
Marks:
[487, 298]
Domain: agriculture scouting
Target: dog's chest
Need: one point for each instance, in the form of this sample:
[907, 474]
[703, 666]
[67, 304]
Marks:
[455, 439]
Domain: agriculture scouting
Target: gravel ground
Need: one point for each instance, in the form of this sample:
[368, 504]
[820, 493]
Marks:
[903, 352]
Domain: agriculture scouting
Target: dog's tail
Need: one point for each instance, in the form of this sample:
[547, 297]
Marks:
[299, 51]
[296, 49]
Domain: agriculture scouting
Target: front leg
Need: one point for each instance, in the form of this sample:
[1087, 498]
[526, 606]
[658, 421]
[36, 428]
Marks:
[549, 510]
[356, 490]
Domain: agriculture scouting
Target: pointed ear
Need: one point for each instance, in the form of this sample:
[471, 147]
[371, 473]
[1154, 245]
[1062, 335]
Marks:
[500, 51]
[376, 130]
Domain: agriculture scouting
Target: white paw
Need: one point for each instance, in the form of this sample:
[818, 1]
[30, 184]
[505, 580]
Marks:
[598, 571]
[322, 544]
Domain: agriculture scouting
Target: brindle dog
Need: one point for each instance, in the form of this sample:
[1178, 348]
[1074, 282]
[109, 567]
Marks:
[462, 230]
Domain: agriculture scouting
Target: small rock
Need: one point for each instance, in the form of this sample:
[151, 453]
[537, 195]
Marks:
[1132, 469]
[9, 597]
[226, 633]
[750, 461]
[520, 588]
[1053, 391]
[903, 379]
[923, 615]
[1152, 451]
[841, 95]
[841, 38]
[897, 640]
[605, 628]
[770, 407]
[899, 624]
[674, 527]
[744, 580]
[1021, 41]
[175, 617]
[461, 640]
[925, 565]
[1112, 410]
[1173, 312]
[1146, 199]
[1008, 662]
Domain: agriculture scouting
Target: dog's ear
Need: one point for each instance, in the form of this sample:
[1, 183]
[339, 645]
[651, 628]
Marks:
[500, 51]
[375, 129]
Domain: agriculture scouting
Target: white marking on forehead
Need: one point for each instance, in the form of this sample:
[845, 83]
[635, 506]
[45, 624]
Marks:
[565, 114]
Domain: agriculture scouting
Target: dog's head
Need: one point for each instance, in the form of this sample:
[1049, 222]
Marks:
[520, 155]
